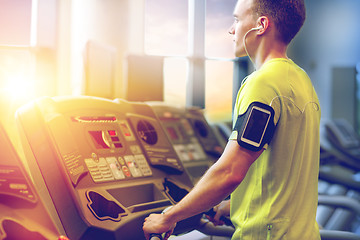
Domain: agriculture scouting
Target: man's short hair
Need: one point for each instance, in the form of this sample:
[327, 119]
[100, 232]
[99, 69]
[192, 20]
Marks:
[288, 16]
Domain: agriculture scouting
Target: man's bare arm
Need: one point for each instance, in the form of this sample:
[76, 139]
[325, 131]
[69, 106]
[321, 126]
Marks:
[217, 183]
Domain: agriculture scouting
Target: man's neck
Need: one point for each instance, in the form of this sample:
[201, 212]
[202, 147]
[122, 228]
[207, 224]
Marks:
[268, 51]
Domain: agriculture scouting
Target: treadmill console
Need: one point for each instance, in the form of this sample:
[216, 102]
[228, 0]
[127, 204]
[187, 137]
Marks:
[191, 136]
[204, 132]
[114, 153]
[106, 164]
[22, 212]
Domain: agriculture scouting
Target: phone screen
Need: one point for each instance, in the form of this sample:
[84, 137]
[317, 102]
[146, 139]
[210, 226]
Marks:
[255, 126]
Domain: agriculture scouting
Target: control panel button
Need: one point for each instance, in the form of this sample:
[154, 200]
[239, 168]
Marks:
[99, 171]
[134, 168]
[115, 168]
[126, 171]
[143, 165]
[135, 149]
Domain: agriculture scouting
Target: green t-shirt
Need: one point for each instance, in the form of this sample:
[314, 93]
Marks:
[278, 197]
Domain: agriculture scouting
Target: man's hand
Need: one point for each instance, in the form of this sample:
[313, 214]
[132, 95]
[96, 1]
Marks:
[157, 223]
[223, 209]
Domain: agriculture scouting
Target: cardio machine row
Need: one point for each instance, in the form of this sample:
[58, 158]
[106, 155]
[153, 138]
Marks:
[98, 167]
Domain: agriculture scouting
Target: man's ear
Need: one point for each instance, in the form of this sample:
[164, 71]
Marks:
[263, 23]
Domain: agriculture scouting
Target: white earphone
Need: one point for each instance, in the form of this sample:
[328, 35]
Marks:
[244, 42]
[256, 28]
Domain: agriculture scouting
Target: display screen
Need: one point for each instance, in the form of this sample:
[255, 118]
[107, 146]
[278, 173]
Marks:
[187, 126]
[91, 119]
[125, 130]
[256, 125]
[172, 133]
[99, 139]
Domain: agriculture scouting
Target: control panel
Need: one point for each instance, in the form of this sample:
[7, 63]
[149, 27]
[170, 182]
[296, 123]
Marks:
[191, 136]
[115, 153]
[204, 132]
[106, 164]
[22, 213]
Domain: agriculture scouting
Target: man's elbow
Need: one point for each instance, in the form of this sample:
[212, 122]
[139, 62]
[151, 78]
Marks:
[233, 179]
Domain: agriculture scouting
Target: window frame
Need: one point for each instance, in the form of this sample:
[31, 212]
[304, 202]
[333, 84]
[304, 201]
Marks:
[195, 87]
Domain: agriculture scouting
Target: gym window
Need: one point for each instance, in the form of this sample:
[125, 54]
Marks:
[193, 37]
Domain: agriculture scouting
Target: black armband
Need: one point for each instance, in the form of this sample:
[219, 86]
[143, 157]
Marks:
[255, 127]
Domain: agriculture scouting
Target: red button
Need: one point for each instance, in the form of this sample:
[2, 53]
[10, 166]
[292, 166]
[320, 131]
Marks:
[112, 132]
[126, 171]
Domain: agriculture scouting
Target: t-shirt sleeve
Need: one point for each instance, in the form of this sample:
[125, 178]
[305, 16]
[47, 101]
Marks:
[257, 88]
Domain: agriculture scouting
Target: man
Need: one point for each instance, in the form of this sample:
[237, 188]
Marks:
[273, 184]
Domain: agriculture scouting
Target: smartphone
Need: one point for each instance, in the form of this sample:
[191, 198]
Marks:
[255, 126]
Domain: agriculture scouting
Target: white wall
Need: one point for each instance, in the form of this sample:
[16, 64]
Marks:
[330, 38]
[110, 22]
